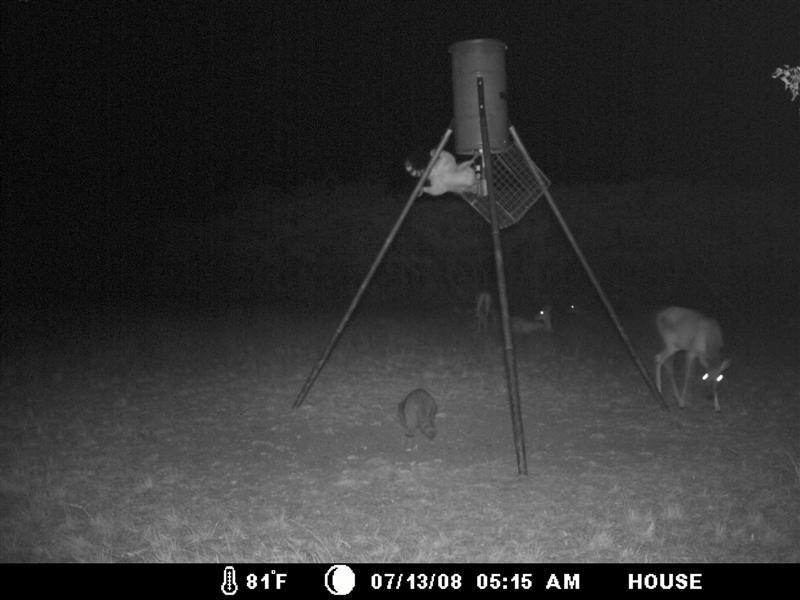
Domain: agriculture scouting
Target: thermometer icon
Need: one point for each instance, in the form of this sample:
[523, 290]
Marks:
[229, 586]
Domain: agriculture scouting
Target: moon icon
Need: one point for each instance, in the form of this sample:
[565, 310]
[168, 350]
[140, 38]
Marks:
[340, 580]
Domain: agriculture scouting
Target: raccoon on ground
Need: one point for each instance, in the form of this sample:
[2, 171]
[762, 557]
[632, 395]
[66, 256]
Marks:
[418, 411]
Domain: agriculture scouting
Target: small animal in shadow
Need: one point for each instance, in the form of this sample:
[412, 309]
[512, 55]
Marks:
[418, 411]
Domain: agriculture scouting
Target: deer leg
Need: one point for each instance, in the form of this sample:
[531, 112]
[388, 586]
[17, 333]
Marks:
[669, 365]
[687, 375]
[660, 360]
[658, 374]
[666, 361]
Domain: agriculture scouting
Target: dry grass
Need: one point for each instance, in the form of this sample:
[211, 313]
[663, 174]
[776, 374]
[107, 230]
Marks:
[172, 440]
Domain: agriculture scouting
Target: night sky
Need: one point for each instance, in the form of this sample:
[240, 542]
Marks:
[121, 115]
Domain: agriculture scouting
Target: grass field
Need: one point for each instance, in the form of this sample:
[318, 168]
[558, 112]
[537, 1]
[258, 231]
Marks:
[165, 438]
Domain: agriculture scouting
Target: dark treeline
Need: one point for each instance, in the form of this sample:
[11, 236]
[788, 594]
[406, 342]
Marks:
[655, 242]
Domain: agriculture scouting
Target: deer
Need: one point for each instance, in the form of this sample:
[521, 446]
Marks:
[684, 329]
[543, 322]
[483, 309]
[519, 325]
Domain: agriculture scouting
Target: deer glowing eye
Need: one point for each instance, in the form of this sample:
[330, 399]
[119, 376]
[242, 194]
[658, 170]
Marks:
[705, 376]
[720, 377]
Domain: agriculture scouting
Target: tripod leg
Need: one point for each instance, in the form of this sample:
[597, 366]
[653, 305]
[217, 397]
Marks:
[510, 359]
[590, 273]
[312, 376]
